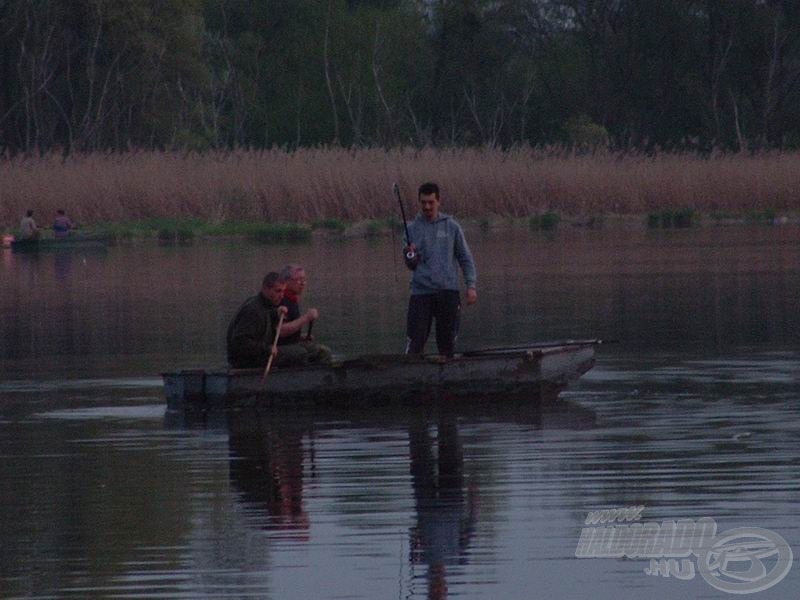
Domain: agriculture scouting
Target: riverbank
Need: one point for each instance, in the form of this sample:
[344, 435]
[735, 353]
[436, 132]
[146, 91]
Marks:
[187, 231]
[341, 192]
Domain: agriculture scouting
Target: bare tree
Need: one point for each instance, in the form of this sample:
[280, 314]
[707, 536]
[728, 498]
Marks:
[376, 76]
[720, 42]
[329, 84]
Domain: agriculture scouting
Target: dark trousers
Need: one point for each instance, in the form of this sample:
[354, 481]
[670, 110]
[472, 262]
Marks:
[445, 307]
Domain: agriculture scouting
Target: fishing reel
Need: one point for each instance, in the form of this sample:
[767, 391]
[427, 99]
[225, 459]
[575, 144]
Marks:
[412, 258]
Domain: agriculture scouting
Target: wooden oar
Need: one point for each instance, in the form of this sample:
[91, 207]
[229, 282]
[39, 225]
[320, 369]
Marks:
[308, 335]
[272, 353]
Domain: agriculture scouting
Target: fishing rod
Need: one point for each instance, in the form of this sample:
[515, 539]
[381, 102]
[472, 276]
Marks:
[538, 345]
[410, 254]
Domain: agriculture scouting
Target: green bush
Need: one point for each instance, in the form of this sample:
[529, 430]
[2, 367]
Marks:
[376, 227]
[761, 216]
[270, 233]
[332, 224]
[669, 218]
[583, 133]
[545, 221]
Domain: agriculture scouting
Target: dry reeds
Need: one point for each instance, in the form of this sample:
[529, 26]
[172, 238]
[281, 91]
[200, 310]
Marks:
[314, 184]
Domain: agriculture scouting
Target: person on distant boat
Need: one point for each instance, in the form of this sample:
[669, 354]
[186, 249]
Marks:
[27, 227]
[251, 333]
[299, 349]
[61, 224]
[435, 251]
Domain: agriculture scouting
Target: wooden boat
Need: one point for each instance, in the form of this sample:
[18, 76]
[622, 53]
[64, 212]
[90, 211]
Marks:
[541, 370]
[71, 243]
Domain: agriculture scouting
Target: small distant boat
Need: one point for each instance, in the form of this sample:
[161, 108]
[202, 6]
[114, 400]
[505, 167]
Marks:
[69, 243]
[541, 370]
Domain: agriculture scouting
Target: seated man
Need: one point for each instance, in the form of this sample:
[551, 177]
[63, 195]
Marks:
[61, 224]
[252, 331]
[27, 227]
[296, 348]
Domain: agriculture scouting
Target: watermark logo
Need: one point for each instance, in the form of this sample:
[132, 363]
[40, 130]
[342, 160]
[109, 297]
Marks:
[739, 561]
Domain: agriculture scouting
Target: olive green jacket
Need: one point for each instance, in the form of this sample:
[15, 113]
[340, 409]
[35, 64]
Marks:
[251, 333]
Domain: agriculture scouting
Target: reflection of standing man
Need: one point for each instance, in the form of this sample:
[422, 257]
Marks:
[445, 519]
[440, 249]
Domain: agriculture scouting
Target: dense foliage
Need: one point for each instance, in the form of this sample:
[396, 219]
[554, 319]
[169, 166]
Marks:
[89, 75]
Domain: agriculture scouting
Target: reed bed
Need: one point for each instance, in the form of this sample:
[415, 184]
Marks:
[318, 185]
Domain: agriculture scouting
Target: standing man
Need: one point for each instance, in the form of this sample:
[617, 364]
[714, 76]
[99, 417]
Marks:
[296, 348]
[251, 333]
[27, 227]
[439, 250]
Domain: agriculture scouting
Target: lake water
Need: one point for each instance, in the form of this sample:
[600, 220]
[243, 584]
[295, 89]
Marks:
[694, 414]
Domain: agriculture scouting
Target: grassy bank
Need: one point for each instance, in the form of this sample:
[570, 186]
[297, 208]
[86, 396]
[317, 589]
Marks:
[219, 192]
[185, 230]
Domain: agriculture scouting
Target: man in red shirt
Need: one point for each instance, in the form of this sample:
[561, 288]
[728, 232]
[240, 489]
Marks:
[302, 349]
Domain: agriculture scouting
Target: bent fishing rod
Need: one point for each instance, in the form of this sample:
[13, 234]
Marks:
[410, 254]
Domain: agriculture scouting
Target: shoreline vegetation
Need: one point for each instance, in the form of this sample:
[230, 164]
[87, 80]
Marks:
[284, 196]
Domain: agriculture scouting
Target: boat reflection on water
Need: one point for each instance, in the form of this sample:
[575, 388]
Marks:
[278, 455]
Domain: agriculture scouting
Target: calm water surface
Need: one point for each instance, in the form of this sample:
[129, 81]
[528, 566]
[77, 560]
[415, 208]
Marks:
[694, 414]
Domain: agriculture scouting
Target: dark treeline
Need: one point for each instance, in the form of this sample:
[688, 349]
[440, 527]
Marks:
[100, 75]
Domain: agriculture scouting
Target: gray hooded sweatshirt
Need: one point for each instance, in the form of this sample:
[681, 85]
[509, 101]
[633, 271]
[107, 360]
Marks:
[441, 245]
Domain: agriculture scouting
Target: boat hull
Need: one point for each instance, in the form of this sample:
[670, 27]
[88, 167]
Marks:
[67, 244]
[541, 371]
